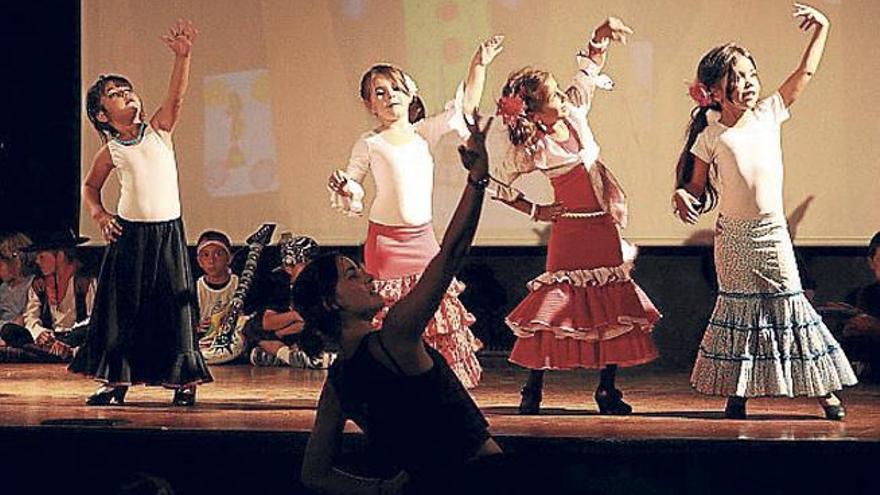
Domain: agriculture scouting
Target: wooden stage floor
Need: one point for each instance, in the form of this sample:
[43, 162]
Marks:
[244, 398]
[248, 432]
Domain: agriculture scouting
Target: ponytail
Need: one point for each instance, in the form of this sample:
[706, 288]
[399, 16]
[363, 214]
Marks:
[684, 169]
[416, 109]
[713, 67]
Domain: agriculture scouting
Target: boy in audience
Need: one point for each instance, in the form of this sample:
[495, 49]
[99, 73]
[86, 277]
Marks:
[275, 330]
[59, 302]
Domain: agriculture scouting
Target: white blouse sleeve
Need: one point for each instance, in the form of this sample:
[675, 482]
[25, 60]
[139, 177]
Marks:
[512, 167]
[355, 172]
[703, 148]
[433, 128]
[774, 105]
[588, 78]
[32, 315]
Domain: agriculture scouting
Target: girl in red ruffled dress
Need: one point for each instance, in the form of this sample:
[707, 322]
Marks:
[584, 311]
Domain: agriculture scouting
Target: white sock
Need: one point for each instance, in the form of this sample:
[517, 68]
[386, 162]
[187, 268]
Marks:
[284, 355]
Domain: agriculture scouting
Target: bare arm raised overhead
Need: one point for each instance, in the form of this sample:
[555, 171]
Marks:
[810, 18]
[180, 41]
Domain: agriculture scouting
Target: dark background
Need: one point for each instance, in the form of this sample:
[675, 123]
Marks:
[39, 116]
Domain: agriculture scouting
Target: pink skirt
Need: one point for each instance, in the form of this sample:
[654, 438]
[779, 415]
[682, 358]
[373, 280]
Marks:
[397, 256]
[584, 311]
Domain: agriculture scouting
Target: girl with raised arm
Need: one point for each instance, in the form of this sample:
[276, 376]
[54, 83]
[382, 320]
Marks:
[142, 329]
[398, 154]
[764, 338]
[584, 311]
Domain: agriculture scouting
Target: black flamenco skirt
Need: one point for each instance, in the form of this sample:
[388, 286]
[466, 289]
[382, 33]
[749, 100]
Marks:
[142, 325]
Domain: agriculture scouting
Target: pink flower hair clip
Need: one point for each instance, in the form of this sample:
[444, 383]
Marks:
[700, 94]
[509, 108]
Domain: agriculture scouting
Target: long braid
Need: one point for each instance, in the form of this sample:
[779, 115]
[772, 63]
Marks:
[713, 67]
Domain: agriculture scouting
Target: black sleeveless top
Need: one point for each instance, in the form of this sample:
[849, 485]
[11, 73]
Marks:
[424, 424]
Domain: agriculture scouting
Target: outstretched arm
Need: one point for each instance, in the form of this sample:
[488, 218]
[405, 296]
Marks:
[476, 78]
[179, 40]
[810, 18]
[536, 211]
[591, 61]
[407, 319]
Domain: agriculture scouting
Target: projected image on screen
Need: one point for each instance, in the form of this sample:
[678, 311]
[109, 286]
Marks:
[274, 106]
[239, 145]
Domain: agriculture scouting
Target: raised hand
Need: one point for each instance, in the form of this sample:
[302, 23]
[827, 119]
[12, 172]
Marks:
[684, 206]
[337, 182]
[180, 37]
[809, 17]
[614, 28]
[490, 49]
[473, 154]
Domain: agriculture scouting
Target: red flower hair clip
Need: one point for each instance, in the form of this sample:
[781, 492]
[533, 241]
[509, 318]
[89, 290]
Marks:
[509, 108]
[700, 94]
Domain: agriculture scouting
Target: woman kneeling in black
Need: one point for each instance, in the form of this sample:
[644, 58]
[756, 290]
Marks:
[400, 392]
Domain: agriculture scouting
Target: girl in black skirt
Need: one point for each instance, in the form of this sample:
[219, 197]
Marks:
[142, 326]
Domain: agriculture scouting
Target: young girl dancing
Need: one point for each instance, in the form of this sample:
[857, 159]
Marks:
[400, 237]
[142, 327]
[584, 311]
[763, 338]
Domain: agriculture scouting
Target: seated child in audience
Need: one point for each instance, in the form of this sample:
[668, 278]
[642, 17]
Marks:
[14, 279]
[867, 299]
[217, 284]
[59, 302]
[275, 331]
[216, 289]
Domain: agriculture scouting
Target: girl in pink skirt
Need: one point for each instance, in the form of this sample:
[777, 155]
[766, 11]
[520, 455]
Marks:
[400, 238]
[584, 311]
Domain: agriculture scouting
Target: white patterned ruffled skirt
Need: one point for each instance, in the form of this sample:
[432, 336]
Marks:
[764, 338]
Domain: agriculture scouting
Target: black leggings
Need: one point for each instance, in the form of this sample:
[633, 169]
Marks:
[18, 336]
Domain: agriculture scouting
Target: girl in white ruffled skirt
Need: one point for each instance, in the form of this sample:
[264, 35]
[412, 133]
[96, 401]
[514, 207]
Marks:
[764, 338]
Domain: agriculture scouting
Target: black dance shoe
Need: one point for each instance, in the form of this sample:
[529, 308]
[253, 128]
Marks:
[735, 408]
[530, 404]
[611, 402]
[184, 397]
[108, 396]
[835, 412]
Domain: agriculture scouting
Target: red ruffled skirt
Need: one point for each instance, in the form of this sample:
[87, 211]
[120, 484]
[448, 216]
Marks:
[584, 311]
[397, 256]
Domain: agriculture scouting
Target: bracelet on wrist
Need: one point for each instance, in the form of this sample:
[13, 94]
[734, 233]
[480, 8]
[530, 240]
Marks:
[599, 46]
[534, 212]
[478, 184]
